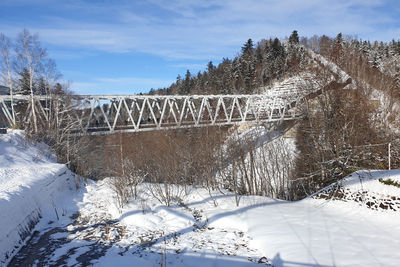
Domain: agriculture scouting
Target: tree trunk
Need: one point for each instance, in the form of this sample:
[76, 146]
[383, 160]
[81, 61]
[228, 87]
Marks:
[10, 84]
[32, 100]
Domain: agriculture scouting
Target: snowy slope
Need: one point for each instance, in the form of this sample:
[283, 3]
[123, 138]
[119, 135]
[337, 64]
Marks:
[307, 82]
[31, 183]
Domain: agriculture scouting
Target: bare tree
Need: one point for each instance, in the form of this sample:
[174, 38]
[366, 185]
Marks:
[5, 47]
[51, 74]
[30, 56]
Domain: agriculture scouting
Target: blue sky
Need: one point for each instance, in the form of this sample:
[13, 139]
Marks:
[127, 47]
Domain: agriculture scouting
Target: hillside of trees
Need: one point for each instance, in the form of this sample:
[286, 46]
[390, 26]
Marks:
[260, 64]
[256, 66]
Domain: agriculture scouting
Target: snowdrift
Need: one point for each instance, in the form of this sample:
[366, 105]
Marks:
[32, 185]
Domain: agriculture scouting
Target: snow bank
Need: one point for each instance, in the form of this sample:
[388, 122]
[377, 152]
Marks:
[369, 181]
[31, 187]
[372, 189]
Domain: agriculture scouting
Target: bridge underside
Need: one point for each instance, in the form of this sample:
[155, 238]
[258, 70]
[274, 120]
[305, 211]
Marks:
[106, 114]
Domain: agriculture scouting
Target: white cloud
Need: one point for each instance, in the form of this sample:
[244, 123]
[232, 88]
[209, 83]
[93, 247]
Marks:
[209, 30]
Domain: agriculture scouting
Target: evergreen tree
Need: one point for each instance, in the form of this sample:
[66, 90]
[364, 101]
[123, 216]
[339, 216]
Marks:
[339, 38]
[186, 86]
[247, 47]
[178, 79]
[276, 58]
[277, 49]
[294, 38]
[210, 67]
[187, 76]
[23, 82]
[398, 48]
[42, 87]
[337, 48]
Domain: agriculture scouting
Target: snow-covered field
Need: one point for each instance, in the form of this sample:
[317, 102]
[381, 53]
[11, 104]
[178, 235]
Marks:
[91, 229]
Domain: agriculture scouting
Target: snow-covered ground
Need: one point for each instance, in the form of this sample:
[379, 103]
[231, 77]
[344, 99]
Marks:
[193, 231]
[311, 232]
[32, 186]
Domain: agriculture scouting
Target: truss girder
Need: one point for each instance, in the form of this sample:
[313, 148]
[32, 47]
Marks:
[102, 114]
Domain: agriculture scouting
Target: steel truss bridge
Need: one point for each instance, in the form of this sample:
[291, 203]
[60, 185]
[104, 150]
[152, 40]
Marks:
[106, 114]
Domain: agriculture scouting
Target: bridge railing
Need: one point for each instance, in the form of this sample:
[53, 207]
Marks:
[102, 114]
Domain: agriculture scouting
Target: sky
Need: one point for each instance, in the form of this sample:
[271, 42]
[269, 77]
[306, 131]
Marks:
[129, 47]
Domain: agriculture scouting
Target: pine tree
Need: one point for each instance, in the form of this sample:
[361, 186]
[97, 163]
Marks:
[339, 38]
[178, 79]
[294, 38]
[42, 87]
[337, 47]
[23, 86]
[186, 86]
[398, 48]
[277, 48]
[278, 58]
[247, 47]
[210, 67]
